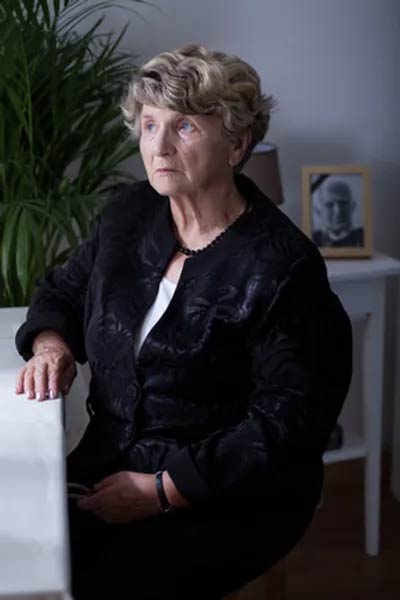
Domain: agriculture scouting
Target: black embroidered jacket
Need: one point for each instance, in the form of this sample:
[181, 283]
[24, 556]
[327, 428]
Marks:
[237, 387]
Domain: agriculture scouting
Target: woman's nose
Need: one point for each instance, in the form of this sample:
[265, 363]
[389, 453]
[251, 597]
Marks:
[163, 144]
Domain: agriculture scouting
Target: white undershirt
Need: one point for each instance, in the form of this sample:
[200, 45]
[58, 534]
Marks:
[165, 292]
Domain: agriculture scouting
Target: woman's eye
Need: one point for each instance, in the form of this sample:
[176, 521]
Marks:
[149, 127]
[186, 126]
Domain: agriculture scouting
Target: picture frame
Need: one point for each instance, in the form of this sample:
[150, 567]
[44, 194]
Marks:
[336, 209]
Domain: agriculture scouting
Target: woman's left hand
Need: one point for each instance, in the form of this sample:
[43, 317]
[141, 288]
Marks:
[123, 497]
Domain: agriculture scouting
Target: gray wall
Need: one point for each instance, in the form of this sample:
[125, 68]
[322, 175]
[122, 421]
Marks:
[333, 69]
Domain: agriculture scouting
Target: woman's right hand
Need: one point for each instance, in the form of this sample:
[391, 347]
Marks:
[51, 369]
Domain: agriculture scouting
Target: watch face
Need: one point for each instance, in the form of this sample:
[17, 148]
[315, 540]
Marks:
[170, 509]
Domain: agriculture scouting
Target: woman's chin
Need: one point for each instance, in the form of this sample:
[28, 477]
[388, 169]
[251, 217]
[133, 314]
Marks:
[167, 185]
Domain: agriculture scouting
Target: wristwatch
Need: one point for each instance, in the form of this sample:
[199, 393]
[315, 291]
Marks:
[165, 506]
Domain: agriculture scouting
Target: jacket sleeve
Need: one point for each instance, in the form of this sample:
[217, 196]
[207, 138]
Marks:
[301, 356]
[58, 302]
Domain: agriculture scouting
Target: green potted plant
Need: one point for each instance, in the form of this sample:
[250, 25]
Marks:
[62, 140]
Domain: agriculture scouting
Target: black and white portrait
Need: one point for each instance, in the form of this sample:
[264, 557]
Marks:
[337, 210]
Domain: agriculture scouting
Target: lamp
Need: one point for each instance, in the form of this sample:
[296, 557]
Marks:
[263, 168]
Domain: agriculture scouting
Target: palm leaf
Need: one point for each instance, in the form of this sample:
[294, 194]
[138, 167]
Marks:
[23, 248]
[62, 139]
[7, 248]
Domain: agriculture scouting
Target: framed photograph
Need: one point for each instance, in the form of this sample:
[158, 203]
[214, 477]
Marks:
[336, 209]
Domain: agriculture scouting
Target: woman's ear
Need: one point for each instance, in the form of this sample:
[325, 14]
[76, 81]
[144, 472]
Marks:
[239, 146]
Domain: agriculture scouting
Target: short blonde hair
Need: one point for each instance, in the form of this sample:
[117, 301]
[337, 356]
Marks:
[196, 80]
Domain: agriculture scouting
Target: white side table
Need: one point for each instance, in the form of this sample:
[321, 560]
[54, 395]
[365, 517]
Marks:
[360, 285]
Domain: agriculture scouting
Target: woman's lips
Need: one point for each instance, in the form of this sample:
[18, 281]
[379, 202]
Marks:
[165, 170]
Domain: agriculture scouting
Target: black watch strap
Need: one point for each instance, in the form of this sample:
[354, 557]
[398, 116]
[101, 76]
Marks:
[166, 507]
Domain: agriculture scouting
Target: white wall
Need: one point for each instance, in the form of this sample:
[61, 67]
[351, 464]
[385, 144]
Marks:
[333, 67]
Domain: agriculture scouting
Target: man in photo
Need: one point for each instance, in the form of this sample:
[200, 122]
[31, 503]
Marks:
[334, 207]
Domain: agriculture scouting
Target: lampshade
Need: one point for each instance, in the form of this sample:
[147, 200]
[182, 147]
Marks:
[263, 168]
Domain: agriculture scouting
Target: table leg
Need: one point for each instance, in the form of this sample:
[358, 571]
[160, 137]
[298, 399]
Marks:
[396, 413]
[373, 392]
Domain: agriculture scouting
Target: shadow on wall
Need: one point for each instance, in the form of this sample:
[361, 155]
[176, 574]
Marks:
[298, 149]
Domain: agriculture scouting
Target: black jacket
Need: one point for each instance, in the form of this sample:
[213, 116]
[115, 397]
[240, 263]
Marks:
[237, 387]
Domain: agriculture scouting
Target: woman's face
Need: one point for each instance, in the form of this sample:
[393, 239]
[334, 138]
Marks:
[185, 154]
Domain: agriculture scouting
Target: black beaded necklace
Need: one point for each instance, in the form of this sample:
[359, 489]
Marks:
[190, 252]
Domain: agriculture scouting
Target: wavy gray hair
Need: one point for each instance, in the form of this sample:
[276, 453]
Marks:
[196, 80]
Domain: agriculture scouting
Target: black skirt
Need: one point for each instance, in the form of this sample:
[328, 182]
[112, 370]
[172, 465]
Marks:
[191, 553]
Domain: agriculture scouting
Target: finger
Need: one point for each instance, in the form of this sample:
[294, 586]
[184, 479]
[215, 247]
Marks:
[19, 382]
[90, 502]
[80, 502]
[54, 377]
[104, 483]
[68, 377]
[93, 502]
[40, 379]
[104, 516]
[109, 515]
[83, 504]
[98, 500]
[29, 383]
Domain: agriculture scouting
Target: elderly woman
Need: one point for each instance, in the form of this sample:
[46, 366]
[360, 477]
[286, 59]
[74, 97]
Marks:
[220, 357]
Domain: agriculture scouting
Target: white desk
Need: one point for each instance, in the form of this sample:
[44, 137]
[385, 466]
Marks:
[33, 515]
[360, 285]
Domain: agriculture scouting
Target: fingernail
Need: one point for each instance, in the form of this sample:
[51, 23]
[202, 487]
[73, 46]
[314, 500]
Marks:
[38, 396]
[52, 394]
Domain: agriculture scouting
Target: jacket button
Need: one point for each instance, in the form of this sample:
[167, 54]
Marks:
[132, 390]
